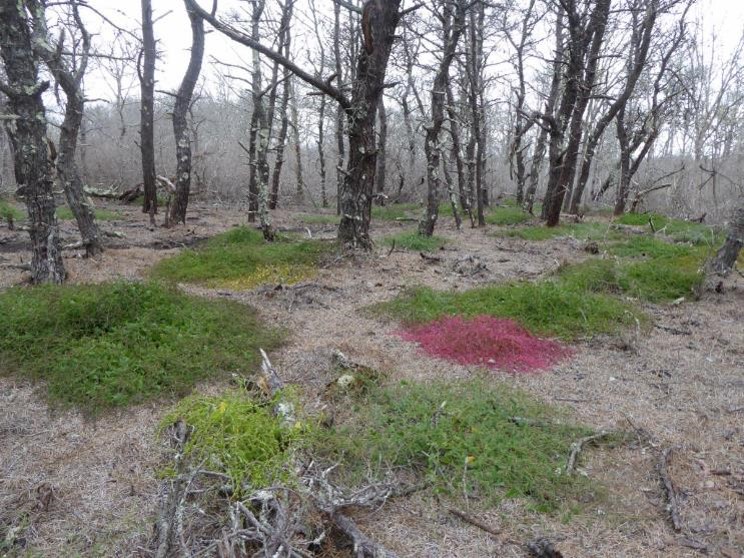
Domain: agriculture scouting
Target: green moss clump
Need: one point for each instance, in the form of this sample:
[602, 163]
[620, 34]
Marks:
[103, 346]
[242, 259]
[415, 242]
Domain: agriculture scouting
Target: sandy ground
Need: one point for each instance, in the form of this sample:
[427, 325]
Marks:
[75, 487]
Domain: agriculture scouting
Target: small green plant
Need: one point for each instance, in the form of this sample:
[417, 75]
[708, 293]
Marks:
[64, 213]
[234, 435]
[395, 211]
[416, 242]
[677, 229]
[9, 212]
[548, 307]
[460, 436]
[112, 345]
[242, 259]
[507, 215]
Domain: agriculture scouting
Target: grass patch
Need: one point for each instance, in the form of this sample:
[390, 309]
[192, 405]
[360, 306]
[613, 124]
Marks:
[64, 213]
[459, 435]
[112, 345]
[242, 259]
[9, 212]
[320, 219]
[677, 229]
[552, 308]
[507, 215]
[233, 435]
[643, 246]
[396, 211]
[415, 242]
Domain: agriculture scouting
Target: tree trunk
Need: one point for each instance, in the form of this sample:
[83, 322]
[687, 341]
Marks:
[147, 113]
[340, 145]
[381, 156]
[726, 258]
[299, 174]
[380, 19]
[180, 121]
[70, 80]
[27, 132]
[452, 26]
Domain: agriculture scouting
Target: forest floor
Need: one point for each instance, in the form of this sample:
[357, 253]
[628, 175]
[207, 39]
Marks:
[90, 487]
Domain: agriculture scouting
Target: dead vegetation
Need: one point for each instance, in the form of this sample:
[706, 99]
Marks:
[67, 485]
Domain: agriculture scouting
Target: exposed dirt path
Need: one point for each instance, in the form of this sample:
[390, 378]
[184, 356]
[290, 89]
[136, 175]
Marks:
[679, 384]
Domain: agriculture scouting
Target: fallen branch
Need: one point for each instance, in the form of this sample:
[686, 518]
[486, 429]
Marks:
[364, 547]
[578, 446]
[672, 503]
[429, 259]
[474, 522]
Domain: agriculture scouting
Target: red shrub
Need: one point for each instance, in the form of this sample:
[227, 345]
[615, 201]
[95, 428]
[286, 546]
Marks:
[492, 342]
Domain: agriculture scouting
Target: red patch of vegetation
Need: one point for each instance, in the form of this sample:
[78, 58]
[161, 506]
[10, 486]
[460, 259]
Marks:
[492, 342]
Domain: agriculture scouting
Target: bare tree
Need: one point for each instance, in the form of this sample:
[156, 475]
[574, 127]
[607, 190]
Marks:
[26, 127]
[180, 120]
[147, 111]
[452, 18]
[70, 79]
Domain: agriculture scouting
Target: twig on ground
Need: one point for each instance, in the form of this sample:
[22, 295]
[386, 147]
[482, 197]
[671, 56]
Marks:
[578, 445]
[672, 503]
[474, 522]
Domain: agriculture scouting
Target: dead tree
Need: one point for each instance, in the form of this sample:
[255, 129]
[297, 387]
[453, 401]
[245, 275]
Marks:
[26, 127]
[586, 38]
[147, 111]
[640, 40]
[180, 120]
[70, 79]
[380, 20]
[726, 257]
[453, 23]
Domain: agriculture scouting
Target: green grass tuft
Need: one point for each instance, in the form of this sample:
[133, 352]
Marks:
[677, 229]
[233, 435]
[507, 215]
[64, 213]
[460, 435]
[416, 242]
[112, 345]
[549, 307]
[643, 246]
[242, 259]
[9, 212]
[395, 211]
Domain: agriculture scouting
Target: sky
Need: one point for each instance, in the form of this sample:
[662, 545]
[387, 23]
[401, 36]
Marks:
[725, 18]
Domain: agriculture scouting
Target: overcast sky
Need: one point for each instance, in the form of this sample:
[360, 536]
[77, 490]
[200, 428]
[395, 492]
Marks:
[724, 17]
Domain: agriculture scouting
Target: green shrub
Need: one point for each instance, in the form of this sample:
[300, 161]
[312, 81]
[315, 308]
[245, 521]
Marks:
[416, 242]
[233, 435]
[112, 345]
[548, 307]
[459, 435]
[9, 212]
[242, 259]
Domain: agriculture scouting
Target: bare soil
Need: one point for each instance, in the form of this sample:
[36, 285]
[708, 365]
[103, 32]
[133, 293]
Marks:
[72, 487]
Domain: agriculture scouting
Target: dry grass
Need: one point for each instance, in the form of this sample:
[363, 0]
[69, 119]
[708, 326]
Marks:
[676, 386]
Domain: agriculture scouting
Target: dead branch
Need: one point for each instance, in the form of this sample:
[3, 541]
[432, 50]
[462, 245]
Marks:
[474, 522]
[577, 446]
[364, 547]
[429, 259]
[672, 500]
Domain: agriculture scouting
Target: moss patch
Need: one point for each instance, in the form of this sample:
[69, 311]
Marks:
[461, 436]
[416, 242]
[242, 259]
[112, 345]
[64, 213]
[395, 211]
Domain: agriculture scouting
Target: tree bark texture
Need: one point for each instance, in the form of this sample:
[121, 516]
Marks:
[180, 120]
[27, 132]
[147, 112]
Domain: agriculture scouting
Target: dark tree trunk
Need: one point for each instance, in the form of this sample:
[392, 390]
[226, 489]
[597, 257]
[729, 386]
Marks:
[27, 133]
[340, 145]
[452, 26]
[381, 155]
[299, 173]
[180, 120]
[380, 20]
[70, 80]
[456, 155]
[147, 112]
[321, 153]
[476, 147]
